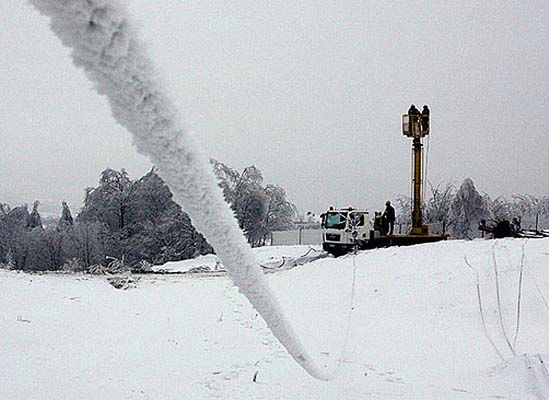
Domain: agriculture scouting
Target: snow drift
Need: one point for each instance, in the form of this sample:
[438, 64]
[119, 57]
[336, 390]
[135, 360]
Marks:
[105, 44]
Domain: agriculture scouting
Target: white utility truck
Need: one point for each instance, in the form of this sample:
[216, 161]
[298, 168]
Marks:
[346, 229]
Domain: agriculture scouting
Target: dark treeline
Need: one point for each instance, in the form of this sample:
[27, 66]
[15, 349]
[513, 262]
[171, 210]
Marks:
[134, 223]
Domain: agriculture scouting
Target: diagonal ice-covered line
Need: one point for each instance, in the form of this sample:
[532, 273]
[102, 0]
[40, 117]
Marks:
[106, 45]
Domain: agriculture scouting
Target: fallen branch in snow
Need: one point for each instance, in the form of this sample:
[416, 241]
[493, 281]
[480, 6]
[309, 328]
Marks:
[479, 298]
[310, 250]
[498, 296]
[123, 282]
[21, 319]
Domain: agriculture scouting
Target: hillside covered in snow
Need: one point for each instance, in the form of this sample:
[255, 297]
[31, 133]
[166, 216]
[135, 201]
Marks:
[410, 323]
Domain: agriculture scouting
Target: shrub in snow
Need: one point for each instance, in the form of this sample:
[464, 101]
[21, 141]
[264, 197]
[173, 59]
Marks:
[73, 265]
[144, 266]
[117, 267]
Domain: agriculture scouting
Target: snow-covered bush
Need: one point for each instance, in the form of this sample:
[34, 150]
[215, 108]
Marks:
[144, 266]
[73, 265]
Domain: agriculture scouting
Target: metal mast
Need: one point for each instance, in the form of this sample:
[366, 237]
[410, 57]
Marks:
[415, 125]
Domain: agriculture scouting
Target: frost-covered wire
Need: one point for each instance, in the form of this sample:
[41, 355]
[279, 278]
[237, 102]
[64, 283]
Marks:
[542, 296]
[519, 295]
[479, 298]
[498, 298]
[104, 42]
[349, 320]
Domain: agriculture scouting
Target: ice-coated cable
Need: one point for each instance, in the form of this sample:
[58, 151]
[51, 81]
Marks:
[479, 299]
[105, 44]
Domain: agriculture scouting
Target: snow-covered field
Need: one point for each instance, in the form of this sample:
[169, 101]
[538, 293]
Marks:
[414, 330]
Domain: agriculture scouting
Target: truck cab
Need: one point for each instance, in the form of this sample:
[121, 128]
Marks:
[345, 229]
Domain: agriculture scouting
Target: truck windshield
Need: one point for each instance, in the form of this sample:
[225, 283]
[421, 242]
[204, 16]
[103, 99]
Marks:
[336, 220]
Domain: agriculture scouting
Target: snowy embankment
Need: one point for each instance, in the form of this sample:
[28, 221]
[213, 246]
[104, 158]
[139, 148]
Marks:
[415, 330]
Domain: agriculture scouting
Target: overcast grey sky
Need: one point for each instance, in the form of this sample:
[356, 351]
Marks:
[310, 92]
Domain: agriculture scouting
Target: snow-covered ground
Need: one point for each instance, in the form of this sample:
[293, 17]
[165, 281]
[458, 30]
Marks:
[270, 257]
[414, 330]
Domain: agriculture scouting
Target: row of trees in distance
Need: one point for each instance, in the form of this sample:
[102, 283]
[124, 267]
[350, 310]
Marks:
[134, 224]
[459, 210]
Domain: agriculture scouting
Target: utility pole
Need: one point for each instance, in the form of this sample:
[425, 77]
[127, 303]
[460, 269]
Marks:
[416, 125]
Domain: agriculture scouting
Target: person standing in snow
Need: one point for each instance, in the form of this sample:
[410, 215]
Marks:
[389, 215]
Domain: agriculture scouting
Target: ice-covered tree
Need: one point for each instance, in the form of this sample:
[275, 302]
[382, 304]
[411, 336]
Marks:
[35, 221]
[534, 209]
[14, 227]
[66, 216]
[252, 216]
[404, 210]
[109, 202]
[45, 251]
[437, 207]
[467, 209]
[159, 230]
[500, 208]
[280, 212]
[85, 241]
[4, 209]
[141, 219]
[259, 210]
[238, 187]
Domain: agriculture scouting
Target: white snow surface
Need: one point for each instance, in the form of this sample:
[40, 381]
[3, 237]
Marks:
[415, 330]
[105, 43]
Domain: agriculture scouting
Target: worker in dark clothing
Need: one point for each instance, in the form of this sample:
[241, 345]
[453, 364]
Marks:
[425, 119]
[389, 215]
[413, 110]
[516, 225]
[413, 119]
